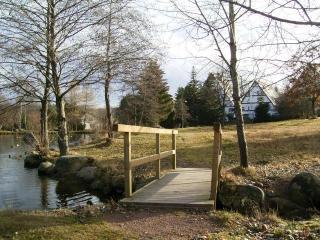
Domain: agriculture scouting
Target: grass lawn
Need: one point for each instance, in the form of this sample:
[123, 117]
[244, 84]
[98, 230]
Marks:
[277, 151]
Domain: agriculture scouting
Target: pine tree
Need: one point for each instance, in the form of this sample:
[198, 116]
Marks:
[181, 109]
[192, 97]
[157, 103]
[210, 101]
[262, 112]
[129, 109]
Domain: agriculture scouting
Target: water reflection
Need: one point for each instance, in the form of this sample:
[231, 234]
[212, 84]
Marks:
[44, 193]
[21, 188]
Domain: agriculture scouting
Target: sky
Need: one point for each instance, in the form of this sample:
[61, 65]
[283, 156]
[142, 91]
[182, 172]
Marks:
[181, 51]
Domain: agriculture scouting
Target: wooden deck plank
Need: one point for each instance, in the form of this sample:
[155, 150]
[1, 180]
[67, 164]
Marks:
[182, 188]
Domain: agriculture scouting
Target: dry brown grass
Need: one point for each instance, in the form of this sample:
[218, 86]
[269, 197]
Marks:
[276, 149]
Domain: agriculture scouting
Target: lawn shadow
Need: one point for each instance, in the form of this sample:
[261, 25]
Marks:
[14, 222]
[293, 147]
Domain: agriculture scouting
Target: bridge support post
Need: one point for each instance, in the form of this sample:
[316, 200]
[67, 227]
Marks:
[174, 148]
[158, 162]
[217, 153]
[127, 166]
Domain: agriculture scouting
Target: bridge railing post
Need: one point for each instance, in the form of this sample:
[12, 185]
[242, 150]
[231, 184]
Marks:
[216, 161]
[174, 149]
[127, 164]
[130, 163]
[158, 162]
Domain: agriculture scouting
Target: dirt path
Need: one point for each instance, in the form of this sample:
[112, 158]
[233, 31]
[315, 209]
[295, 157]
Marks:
[163, 224]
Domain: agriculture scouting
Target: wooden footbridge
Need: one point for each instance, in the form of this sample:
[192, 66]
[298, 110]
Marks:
[178, 188]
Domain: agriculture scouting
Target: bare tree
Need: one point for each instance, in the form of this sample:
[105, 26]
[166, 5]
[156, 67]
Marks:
[305, 11]
[124, 40]
[59, 31]
[70, 52]
[24, 56]
[218, 21]
[224, 88]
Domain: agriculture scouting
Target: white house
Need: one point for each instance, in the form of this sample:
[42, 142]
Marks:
[90, 122]
[255, 94]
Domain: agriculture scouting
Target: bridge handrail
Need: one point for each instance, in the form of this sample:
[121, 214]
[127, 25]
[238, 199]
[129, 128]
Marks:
[130, 163]
[140, 129]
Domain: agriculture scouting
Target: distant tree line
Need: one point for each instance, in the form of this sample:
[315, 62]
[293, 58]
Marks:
[203, 103]
[151, 104]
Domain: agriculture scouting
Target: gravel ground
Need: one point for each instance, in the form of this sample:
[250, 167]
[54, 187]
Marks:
[163, 223]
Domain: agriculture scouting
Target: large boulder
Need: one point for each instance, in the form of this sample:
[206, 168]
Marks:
[88, 174]
[118, 184]
[242, 198]
[46, 168]
[97, 185]
[33, 160]
[288, 209]
[304, 189]
[70, 164]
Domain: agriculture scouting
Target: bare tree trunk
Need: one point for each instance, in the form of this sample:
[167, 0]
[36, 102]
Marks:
[108, 110]
[236, 92]
[107, 80]
[44, 136]
[223, 109]
[60, 105]
[62, 127]
[313, 106]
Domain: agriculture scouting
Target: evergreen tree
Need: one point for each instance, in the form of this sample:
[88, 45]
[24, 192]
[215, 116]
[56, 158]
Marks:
[181, 109]
[262, 112]
[129, 110]
[210, 110]
[192, 97]
[153, 89]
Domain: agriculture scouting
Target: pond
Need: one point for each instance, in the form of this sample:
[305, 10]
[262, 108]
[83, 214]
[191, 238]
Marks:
[22, 188]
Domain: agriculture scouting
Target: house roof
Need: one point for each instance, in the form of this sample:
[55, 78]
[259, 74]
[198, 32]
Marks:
[268, 90]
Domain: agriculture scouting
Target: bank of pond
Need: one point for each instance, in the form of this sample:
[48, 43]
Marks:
[23, 188]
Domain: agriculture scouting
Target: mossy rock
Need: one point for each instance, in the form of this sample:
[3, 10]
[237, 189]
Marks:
[46, 169]
[88, 174]
[118, 184]
[33, 160]
[70, 164]
[97, 185]
[243, 198]
[288, 209]
[304, 190]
